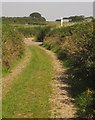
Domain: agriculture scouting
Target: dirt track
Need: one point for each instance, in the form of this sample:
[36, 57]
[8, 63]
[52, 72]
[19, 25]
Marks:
[62, 102]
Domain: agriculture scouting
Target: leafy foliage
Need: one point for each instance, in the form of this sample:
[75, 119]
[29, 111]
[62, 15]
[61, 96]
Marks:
[12, 46]
[85, 104]
[25, 20]
[42, 33]
[76, 18]
[35, 15]
[39, 32]
[76, 43]
[28, 31]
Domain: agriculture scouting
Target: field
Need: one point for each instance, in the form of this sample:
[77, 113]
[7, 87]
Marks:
[30, 92]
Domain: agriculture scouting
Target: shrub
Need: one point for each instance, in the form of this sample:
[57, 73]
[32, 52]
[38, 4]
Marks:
[12, 46]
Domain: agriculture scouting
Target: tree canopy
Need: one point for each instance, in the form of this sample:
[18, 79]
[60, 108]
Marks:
[35, 15]
[37, 18]
[76, 18]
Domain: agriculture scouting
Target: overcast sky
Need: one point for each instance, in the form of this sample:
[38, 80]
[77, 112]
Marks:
[49, 10]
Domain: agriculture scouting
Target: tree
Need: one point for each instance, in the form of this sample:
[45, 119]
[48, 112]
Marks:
[58, 20]
[35, 15]
[36, 18]
[76, 18]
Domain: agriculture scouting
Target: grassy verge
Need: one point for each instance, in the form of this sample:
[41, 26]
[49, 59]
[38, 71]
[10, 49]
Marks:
[5, 72]
[30, 92]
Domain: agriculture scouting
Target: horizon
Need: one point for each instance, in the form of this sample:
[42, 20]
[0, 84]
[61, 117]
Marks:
[46, 20]
[50, 10]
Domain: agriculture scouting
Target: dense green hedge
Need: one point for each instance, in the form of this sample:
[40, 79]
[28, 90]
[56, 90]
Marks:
[13, 46]
[76, 44]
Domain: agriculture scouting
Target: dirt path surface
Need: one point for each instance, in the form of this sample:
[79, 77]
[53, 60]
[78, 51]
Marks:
[29, 41]
[62, 102]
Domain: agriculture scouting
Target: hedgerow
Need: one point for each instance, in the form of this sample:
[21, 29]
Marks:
[77, 44]
[12, 48]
